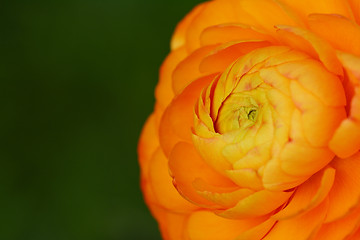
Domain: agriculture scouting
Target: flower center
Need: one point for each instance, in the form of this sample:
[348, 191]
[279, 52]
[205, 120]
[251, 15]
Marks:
[239, 111]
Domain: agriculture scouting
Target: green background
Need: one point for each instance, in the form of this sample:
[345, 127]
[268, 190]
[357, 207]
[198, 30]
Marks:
[77, 80]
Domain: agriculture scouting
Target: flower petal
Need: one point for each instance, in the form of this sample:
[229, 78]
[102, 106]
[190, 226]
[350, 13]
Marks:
[258, 204]
[344, 34]
[231, 33]
[164, 91]
[268, 13]
[300, 159]
[340, 229]
[306, 7]
[220, 58]
[186, 166]
[308, 42]
[346, 187]
[309, 194]
[179, 37]
[302, 227]
[177, 120]
[346, 140]
[148, 143]
[162, 186]
[205, 225]
[188, 71]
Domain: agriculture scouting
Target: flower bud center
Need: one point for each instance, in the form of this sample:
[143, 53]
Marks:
[239, 111]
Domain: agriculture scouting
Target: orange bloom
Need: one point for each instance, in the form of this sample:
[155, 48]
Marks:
[256, 128]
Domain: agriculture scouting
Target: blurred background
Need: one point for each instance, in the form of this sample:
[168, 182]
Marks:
[76, 80]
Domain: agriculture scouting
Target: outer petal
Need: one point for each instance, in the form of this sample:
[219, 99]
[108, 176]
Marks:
[231, 33]
[268, 13]
[306, 41]
[179, 37]
[309, 194]
[205, 225]
[186, 166]
[306, 7]
[177, 120]
[162, 186]
[148, 143]
[172, 225]
[344, 34]
[344, 195]
[188, 71]
[219, 59]
[257, 204]
[346, 140]
[340, 229]
[214, 13]
[355, 6]
[303, 227]
[164, 91]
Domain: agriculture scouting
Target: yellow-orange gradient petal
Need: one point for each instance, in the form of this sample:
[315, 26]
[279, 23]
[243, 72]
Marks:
[220, 58]
[302, 227]
[179, 36]
[341, 229]
[172, 225]
[306, 7]
[214, 13]
[232, 33]
[268, 13]
[177, 119]
[148, 142]
[346, 140]
[308, 42]
[344, 195]
[355, 7]
[344, 34]
[188, 71]
[258, 204]
[162, 186]
[259, 231]
[309, 194]
[164, 91]
[205, 225]
[186, 166]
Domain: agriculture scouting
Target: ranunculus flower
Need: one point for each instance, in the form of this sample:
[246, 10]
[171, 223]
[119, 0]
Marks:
[256, 128]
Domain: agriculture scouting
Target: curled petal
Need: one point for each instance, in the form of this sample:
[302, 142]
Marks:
[346, 187]
[300, 159]
[179, 37]
[270, 13]
[177, 119]
[346, 140]
[306, 7]
[303, 227]
[219, 59]
[163, 189]
[344, 34]
[164, 91]
[341, 229]
[232, 33]
[147, 144]
[188, 71]
[186, 166]
[257, 204]
[205, 225]
[308, 42]
[309, 194]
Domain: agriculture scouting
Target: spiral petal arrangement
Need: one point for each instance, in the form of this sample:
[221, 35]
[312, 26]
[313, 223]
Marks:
[256, 127]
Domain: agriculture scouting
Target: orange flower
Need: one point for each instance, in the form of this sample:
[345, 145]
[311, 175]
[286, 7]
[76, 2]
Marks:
[256, 128]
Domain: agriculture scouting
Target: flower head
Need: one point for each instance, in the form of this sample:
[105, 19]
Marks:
[256, 128]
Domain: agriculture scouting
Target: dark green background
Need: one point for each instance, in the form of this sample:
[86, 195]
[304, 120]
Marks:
[76, 83]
